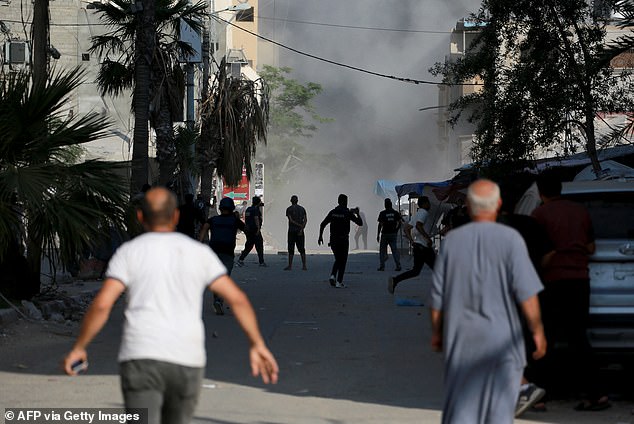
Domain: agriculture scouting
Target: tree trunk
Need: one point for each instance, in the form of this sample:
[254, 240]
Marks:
[145, 34]
[165, 149]
[591, 142]
[34, 264]
[203, 155]
[40, 41]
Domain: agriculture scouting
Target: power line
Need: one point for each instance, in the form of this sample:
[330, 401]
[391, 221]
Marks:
[343, 65]
[354, 27]
[61, 25]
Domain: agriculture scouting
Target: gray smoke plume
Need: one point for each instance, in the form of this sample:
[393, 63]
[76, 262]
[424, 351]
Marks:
[378, 132]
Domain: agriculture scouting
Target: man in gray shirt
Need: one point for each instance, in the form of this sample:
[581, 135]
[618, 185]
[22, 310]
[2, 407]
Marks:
[482, 275]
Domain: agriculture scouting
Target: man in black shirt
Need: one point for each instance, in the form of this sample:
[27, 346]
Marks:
[253, 232]
[223, 229]
[296, 215]
[339, 219]
[387, 232]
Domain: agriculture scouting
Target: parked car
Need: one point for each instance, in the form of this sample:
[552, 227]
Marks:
[611, 206]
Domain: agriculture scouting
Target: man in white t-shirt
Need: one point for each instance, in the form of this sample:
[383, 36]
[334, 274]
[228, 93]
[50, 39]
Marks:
[162, 354]
[418, 232]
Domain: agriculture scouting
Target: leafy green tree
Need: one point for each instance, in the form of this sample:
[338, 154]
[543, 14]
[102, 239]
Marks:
[48, 201]
[293, 119]
[164, 78]
[235, 119]
[545, 72]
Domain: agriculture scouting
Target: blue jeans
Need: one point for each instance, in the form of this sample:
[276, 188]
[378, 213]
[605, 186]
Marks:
[389, 240]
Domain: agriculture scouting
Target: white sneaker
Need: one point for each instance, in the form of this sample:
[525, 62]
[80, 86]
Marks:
[332, 280]
[341, 285]
[528, 397]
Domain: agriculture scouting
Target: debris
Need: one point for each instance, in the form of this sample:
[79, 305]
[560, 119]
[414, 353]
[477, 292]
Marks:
[31, 310]
[409, 302]
[209, 386]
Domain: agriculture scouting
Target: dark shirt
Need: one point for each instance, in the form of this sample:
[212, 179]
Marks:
[339, 219]
[569, 229]
[223, 232]
[249, 219]
[534, 236]
[298, 214]
[390, 221]
[189, 214]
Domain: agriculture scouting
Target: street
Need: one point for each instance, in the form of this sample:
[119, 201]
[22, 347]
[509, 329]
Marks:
[346, 355]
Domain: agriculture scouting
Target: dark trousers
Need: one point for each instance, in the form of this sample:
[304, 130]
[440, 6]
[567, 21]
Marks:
[422, 255]
[168, 391]
[227, 261]
[569, 365]
[253, 239]
[339, 248]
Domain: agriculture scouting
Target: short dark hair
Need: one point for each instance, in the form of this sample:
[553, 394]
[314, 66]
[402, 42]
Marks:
[422, 200]
[387, 202]
[342, 200]
[294, 199]
[256, 200]
[548, 184]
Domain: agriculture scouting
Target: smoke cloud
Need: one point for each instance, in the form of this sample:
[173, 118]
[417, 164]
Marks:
[378, 131]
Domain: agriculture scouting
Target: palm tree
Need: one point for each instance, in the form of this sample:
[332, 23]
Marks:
[235, 118]
[49, 201]
[167, 82]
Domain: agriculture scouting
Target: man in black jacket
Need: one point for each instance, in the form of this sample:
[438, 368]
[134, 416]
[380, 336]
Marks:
[339, 219]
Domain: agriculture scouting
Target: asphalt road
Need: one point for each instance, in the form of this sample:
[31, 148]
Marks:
[346, 355]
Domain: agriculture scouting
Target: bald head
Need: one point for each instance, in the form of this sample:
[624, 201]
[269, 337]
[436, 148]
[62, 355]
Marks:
[483, 200]
[159, 209]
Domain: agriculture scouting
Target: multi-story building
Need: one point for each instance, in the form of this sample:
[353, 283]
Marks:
[73, 23]
[456, 142]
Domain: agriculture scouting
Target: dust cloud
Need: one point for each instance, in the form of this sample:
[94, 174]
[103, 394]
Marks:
[378, 131]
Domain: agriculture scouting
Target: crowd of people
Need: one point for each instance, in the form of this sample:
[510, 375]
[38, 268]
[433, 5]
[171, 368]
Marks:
[507, 290]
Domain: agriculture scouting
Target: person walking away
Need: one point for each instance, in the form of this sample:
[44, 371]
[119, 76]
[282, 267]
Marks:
[339, 220]
[253, 232]
[387, 231]
[417, 232]
[190, 215]
[297, 220]
[482, 273]
[222, 230]
[566, 296]
[162, 354]
[361, 232]
[537, 245]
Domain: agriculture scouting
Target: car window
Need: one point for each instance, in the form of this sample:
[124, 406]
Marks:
[612, 213]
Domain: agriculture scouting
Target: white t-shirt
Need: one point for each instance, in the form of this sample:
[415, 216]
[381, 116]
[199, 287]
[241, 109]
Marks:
[420, 216]
[166, 275]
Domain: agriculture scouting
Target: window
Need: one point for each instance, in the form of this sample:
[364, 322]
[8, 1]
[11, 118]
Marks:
[245, 15]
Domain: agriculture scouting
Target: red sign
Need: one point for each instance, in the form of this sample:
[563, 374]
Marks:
[241, 191]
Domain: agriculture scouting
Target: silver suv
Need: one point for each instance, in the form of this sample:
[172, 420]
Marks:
[611, 206]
